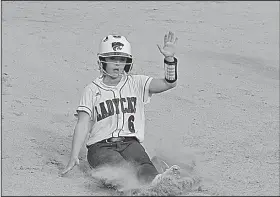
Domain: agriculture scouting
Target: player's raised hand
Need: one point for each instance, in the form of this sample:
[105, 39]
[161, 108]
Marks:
[169, 47]
[70, 165]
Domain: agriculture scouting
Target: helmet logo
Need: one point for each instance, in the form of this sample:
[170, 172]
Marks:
[117, 46]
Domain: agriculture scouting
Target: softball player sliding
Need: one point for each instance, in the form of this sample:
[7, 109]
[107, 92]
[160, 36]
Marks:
[111, 109]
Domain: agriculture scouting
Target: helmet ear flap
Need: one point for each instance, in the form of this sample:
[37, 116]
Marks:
[127, 68]
[101, 59]
[102, 63]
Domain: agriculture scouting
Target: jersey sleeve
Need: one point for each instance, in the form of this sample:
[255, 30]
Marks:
[143, 83]
[87, 101]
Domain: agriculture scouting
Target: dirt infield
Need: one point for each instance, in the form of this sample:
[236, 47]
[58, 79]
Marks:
[224, 113]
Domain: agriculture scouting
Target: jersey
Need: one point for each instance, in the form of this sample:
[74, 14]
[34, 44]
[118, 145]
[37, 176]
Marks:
[116, 110]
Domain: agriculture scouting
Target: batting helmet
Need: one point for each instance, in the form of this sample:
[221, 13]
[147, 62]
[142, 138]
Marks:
[115, 45]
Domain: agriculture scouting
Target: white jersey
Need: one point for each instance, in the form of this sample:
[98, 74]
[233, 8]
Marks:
[116, 110]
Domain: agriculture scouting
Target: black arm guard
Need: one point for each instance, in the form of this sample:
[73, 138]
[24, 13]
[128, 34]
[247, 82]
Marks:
[170, 70]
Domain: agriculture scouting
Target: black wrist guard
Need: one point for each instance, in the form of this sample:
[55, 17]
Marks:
[170, 70]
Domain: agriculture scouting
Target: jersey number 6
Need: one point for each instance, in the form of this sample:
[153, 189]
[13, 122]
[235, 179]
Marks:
[130, 124]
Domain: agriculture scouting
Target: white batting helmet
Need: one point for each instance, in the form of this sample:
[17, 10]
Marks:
[115, 45]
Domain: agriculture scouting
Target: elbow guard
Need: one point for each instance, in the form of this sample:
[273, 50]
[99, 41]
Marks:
[170, 70]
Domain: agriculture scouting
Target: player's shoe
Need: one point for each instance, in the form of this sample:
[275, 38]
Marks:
[173, 171]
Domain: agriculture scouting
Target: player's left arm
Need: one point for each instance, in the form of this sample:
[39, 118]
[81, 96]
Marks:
[170, 66]
[159, 85]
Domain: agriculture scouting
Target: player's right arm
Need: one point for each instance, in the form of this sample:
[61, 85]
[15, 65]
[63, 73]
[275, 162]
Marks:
[80, 133]
[82, 128]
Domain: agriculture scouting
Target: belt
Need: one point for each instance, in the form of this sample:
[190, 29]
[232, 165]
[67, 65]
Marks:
[117, 139]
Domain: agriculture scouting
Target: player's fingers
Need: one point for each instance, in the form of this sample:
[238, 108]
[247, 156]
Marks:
[165, 38]
[69, 167]
[171, 37]
[66, 170]
[176, 39]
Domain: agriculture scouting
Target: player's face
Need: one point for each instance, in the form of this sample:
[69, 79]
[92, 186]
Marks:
[115, 65]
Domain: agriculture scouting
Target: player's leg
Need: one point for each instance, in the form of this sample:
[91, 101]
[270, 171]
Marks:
[173, 171]
[103, 153]
[134, 152]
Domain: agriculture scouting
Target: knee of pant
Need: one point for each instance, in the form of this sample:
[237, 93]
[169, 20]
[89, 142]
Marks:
[146, 173]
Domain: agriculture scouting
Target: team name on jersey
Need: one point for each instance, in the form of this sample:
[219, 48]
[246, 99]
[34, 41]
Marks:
[115, 106]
